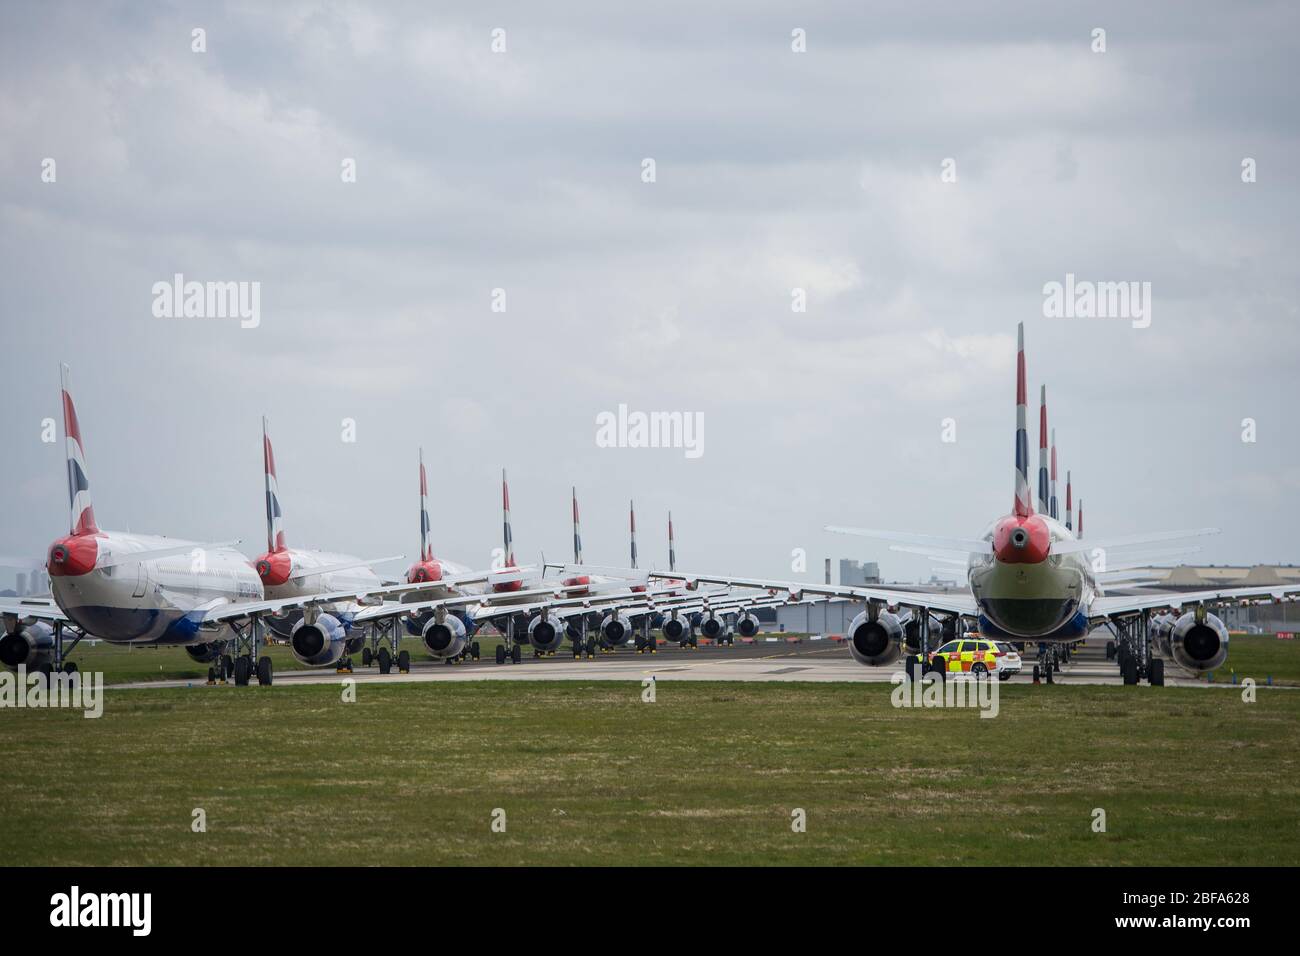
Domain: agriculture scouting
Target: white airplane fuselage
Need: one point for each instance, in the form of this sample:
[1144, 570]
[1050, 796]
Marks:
[158, 600]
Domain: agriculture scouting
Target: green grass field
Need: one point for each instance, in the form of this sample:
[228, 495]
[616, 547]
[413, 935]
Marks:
[1261, 656]
[588, 774]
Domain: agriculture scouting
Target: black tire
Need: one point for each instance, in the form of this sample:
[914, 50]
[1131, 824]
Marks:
[404, 661]
[1004, 675]
[1156, 674]
[227, 667]
[653, 644]
[264, 672]
[1110, 650]
[979, 670]
[910, 666]
[501, 654]
[212, 675]
[385, 660]
[1050, 673]
[516, 654]
[1038, 673]
[366, 657]
[243, 667]
[693, 641]
[1129, 670]
[474, 652]
[70, 667]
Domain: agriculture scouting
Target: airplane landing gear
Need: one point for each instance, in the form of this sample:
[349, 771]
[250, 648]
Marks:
[248, 662]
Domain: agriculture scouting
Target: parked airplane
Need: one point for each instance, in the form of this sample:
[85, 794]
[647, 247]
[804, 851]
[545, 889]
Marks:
[1029, 578]
[323, 637]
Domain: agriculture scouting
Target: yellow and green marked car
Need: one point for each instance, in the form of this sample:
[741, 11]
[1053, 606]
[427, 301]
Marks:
[977, 656]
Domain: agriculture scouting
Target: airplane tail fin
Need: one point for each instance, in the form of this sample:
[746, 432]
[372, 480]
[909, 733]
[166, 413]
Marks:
[1024, 506]
[426, 548]
[577, 531]
[1044, 505]
[672, 547]
[1078, 532]
[274, 518]
[631, 510]
[82, 510]
[1052, 501]
[509, 538]
[1069, 503]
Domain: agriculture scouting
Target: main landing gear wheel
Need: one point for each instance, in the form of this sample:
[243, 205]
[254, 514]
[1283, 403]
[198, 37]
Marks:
[501, 654]
[264, 672]
[366, 657]
[404, 662]
[1129, 670]
[385, 660]
[1156, 673]
[516, 654]
[474, 651]
[591, 647]
[243, 668]
[1110, 650]
[212, 675]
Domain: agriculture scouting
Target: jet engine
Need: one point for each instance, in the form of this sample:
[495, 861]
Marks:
[29, 646]
[615, 629]
[711, 626]
[545, 633]
[1198, 642]
[875, 642]
[320, 642]
[1160, 628]
[445, 638]
[205, 653]
[746, 625]
[675, 629]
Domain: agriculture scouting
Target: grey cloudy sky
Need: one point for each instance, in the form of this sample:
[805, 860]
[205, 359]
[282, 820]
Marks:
[775, 170]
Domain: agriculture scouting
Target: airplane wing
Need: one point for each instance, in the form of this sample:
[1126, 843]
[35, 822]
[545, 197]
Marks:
[957, 603]
[345, 566]
[1109, 606]
[964, 545]
[42, 609]
[1127, 541]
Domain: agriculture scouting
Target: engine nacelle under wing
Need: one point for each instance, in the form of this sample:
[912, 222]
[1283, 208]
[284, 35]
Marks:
[746, 624]
[877, 642]
[545, 633]
[1198, 646]
[445, 638]
[615, 629]
[319, 643]
[31, 646]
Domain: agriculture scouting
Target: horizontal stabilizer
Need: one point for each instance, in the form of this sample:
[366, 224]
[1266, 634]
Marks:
[963, 545]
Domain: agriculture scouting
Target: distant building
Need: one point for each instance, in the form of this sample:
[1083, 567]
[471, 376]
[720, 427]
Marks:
[858, 573]
[20, 588]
